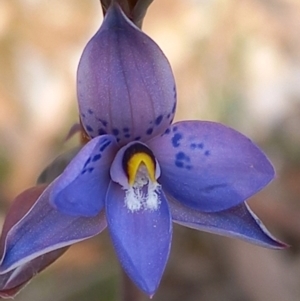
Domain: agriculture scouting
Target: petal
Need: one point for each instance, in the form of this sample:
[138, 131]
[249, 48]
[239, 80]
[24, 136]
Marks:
[13, 281]
[44, 229]
[238, 222]
[19, 208]
[81, 189]
[209, 166]
[125, 84]
[142, 239]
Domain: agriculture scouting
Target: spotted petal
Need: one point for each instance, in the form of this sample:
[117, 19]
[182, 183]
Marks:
[13, 281]
[44, 229]
[81, 189]
[142, 239]
[237, 222]
[125, 83]
[208, 166]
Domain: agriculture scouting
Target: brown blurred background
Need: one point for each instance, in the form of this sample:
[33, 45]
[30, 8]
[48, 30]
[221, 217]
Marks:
[235, 61]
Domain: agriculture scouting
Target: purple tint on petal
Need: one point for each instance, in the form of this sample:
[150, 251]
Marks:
[127, 82]
[142, 239]
[81, 189]
[44, 229]
[208, 166]
[20, 206]
[238, 222]
[12, 282]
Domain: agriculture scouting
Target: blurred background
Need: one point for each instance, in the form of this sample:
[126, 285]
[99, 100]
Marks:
[235, 61]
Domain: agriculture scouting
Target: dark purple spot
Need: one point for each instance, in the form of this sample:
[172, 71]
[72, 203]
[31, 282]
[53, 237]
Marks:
[115, 132]
[125, 130]
[179, 164]
[103, 141]
[83, 172]
[118, 139]
[83, 115]
[103, 122]
[90, 169]
[188, 167]
[181, 156]
[176, 139]
[174, 108]
[137, 138]
[167, 131]
[127, 135]
[159, 119]
[200, 145]
[175, 128]
[89, 128]
[207, 153]
[211, 188]
[168, 116]
[90, 111]
[102, 132]
[149, 131]
[104, 146]
[193, 145]
[175, 92]
[96, 157]
[87, 162]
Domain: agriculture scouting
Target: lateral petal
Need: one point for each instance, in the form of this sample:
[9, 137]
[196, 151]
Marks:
[237, 222]
[44, 229]
[208, 166]
[81, 188]
[12, 282]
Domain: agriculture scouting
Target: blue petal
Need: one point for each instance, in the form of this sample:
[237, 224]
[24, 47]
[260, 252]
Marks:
[208, 166]
[125, 83]
[142, 239]
[81, 189]
[44, 229]
[238, 222]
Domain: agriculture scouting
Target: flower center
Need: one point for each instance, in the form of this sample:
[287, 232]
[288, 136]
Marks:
[139, 165]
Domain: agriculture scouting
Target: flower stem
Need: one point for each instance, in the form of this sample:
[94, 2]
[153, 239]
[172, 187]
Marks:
[129, 291]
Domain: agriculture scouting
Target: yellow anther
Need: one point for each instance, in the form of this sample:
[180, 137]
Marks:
[134, 163]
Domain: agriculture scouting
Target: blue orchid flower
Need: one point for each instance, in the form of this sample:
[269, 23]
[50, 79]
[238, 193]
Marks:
[138, 173]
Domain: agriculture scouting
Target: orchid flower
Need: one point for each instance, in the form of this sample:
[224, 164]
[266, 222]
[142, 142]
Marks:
[138, 173]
